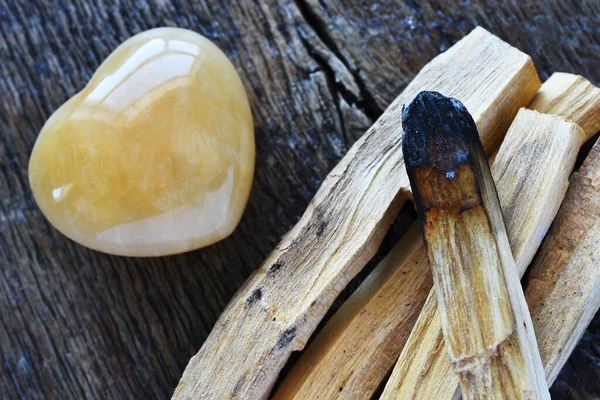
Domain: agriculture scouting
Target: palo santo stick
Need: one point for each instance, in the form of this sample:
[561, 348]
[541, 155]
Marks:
[563, 286]
[280, 305]
[358, 347]
[486, 324]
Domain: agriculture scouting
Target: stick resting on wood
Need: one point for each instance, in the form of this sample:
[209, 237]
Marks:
[563, 285]
[487, 328]
[279, 307]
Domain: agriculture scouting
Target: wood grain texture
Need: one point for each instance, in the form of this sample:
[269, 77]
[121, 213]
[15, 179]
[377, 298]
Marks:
[281, 304]
[79, 324]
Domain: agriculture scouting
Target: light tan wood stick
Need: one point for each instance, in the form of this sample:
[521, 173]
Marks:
[485, 321]
[358, 347]
[563, 286]
[280, 305]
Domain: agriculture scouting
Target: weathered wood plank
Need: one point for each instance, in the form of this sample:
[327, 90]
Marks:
[78, 324]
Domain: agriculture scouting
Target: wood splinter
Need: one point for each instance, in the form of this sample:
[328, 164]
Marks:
[487, 328]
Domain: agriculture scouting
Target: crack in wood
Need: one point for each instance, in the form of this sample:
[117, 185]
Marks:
[365, 100]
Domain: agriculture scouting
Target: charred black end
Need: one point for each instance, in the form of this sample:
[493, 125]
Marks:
[439, 133]
[440, 145]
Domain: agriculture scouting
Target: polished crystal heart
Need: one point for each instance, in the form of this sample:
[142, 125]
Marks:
[155, 155]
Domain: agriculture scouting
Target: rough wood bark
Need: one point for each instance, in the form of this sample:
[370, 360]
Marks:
[484, 317]
[281, 304]
[358, 347]
[563, 284]
[78, 324]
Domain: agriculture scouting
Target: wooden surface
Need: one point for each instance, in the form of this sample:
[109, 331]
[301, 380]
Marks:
[79, 324]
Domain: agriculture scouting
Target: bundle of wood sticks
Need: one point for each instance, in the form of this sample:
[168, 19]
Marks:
[444, 312]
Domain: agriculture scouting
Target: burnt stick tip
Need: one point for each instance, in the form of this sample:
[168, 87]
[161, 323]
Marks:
[439, 132]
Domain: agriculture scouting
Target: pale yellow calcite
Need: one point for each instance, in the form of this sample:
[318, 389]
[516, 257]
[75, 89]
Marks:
[155, 155]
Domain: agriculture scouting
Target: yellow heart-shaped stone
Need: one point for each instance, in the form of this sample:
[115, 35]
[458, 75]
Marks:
[155, 155]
